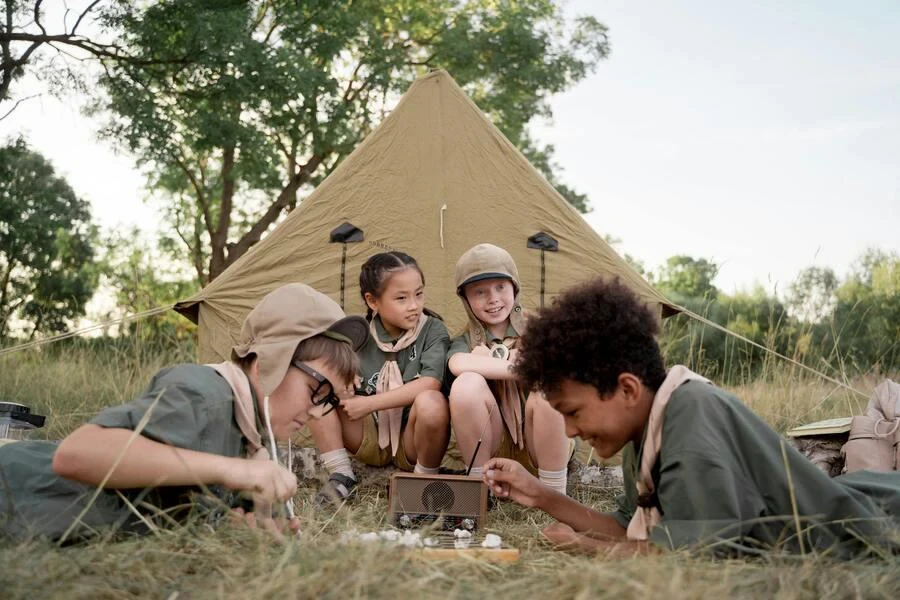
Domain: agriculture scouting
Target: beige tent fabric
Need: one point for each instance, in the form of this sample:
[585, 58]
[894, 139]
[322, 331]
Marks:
[435, 150]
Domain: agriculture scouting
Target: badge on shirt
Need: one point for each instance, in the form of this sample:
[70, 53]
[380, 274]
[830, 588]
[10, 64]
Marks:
[372, 384]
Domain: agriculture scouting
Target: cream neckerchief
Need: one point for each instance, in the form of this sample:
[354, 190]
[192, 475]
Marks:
[390, 420]
[648, 516]
[245, 416]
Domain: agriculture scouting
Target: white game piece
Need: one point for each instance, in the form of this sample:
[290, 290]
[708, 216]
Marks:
[431, 542]
[349, 536]
[368, 537]
[461, 533]
[492, 540]
[411, 539]
[389, 535]
[462, 543]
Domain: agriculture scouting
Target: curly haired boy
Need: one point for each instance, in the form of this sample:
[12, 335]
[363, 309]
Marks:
[700, 469]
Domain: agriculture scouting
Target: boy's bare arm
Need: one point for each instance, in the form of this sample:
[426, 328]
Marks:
[508, 479]
[565, 538]
[486, 366]
[579, 517]
[90, 454]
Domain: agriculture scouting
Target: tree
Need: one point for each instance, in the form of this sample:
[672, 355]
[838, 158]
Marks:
[277, 92]
[46, 244]
[84, 33]
[864, 330]
[142, 281]
[688, 277]
[23, 34]
[812, 295]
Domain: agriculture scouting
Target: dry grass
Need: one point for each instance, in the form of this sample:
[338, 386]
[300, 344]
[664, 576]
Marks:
[196, 562]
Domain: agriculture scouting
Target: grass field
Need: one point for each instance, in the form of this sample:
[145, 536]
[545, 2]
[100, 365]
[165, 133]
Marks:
[71, 383]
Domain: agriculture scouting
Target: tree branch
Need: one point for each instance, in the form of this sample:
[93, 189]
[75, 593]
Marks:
[219, 238]
[349, 89]
[237, 250]
[16, 105]
[194, 248]
[37, 16]
[86, 11]
[198, 189]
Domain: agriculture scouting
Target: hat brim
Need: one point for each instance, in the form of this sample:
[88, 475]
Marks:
[354, 328]
[482, 277]
[273, 360]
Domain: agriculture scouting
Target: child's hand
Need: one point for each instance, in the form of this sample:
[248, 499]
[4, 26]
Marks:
[356, 407]
[560, 535]
[509, 479]
[262, 478]
[481, 350]
[277, 527]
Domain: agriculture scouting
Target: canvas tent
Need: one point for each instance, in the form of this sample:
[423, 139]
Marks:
[434, 179]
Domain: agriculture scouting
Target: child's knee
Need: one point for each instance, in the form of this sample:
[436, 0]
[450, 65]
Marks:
[432, 409]
[537, 408]
[467, 390]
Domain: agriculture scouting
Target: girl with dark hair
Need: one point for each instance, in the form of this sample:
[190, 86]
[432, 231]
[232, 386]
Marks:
[398, 414]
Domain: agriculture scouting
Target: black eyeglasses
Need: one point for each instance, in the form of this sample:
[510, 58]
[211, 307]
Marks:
[328, 397]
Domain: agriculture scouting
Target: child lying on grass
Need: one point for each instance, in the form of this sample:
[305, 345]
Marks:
[700, 469]
[196, 427]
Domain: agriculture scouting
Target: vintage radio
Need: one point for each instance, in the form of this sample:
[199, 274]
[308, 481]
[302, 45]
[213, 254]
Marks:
[445, 501]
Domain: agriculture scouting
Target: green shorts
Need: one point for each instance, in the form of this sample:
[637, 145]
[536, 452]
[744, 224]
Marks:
[370, 453]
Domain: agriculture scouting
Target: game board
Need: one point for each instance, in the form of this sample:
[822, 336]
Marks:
[449, 547]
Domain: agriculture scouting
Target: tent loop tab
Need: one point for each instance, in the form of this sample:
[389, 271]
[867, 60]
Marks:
[544, 242]
[345, 233]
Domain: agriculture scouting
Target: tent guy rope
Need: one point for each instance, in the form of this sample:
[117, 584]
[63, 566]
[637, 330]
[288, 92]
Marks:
[78, 332]
[691, 314]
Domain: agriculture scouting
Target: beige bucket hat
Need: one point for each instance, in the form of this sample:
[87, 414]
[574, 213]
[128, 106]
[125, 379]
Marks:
[285, 317]
[486, 261]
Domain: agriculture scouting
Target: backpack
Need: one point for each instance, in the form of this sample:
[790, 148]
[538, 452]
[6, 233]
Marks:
[874, 441]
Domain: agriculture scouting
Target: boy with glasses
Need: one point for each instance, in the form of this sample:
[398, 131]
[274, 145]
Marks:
[197, 428]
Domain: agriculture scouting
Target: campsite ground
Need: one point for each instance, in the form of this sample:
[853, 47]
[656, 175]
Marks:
[70, 384]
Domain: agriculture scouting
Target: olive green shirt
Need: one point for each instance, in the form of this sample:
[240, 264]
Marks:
[194, 410]
[461, 342]
[722, 485]
[426, 357]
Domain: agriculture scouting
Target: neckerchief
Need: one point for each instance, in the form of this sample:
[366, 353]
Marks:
[647, 514]
[390, 420]
[245, 416]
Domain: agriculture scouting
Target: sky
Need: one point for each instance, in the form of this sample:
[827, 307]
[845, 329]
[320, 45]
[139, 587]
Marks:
[763, 136]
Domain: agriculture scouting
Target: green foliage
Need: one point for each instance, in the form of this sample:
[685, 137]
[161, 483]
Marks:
[47, 272]
[274, 93]
[143, 279]
[864, 328]
[689, 277]
[843, 328]
[54, 50]
[811, 295]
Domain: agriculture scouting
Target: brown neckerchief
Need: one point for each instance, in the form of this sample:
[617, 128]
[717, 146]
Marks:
[390, 420]
[647, 514]
[510, 397]
[245, 416]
